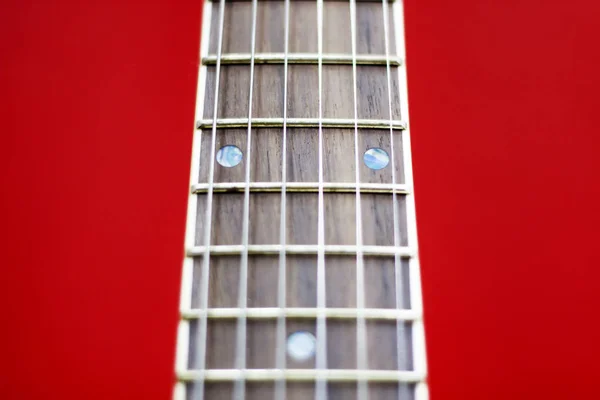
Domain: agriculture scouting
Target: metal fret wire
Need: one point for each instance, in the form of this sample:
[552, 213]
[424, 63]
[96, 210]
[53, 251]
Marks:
[302, 375]
[300, 58]
[280, 385]
[183, 334]
[321, 356]
[301, 123]
[266, 249]
[361, 334]
[307, 187]
[302, 312]
[416, 302]
[239, 392]
[201, 354]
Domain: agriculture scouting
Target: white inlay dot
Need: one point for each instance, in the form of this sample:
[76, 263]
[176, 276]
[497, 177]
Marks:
[301, 345]
[376, 158]
[229, 156]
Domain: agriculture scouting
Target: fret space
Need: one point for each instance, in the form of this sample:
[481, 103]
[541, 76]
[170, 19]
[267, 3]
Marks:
[266, 156]
[389, 344]
[270, 27]
[302, 92]
[386, 284]
[383, 290]
[301, 160]
[340, 209]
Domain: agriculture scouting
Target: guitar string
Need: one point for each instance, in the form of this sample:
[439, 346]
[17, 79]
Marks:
[321, 354]
[419, 358]
[186, 291]
[239, 392]
[198, 386]
[397, 261]
[280, 386]
[361, 336]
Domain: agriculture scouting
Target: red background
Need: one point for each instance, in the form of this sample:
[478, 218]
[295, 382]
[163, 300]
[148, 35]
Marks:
[97, 117]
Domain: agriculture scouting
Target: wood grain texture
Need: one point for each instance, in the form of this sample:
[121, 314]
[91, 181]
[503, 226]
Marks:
[384, 339]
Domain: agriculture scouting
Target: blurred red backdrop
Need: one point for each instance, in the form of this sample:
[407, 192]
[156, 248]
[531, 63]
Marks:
[97, 118]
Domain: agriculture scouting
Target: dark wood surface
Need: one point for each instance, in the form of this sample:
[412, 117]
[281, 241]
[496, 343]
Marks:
[384, 338]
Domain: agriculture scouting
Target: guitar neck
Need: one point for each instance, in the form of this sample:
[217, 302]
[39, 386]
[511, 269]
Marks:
[301, 276]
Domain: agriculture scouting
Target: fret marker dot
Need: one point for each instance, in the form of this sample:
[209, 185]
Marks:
[229, 156]
[301, 345]
[376, 158]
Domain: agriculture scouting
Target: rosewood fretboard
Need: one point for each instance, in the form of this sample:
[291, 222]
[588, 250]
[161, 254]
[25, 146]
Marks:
[305, 224]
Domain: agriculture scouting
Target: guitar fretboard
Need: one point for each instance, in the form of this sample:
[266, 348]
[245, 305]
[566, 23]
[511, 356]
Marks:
[301, 277]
